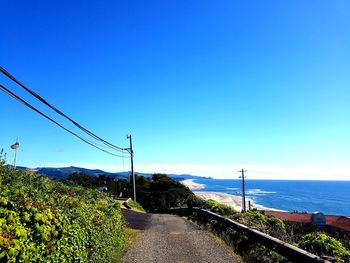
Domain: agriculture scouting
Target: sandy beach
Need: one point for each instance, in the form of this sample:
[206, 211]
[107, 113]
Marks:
[192, 185]
[226, 199]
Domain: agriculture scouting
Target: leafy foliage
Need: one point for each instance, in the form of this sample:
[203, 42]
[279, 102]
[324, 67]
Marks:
[162, 193]
[87, 180]
[218, 208]
[156, 194]
[321, 244]
[44, 220]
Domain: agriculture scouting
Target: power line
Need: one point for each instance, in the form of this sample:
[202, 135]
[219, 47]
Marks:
[7, 74]
[13, 95]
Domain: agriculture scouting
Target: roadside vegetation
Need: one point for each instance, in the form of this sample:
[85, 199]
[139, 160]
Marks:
[158, 193]
[304, 236]
[161, 194]
[68, 220]
[43, 220]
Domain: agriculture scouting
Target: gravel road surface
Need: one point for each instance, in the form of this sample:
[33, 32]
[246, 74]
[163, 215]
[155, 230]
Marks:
[169, 238]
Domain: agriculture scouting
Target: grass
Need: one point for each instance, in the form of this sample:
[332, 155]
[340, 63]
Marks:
[134, 206]
[130, 236]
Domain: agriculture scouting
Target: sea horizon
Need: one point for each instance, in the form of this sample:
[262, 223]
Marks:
[325, 196]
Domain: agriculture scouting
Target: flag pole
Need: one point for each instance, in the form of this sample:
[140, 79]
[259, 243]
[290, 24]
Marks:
[15, 147]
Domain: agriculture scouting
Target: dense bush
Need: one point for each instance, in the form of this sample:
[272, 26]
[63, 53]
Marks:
[323, 245]
[160, 193]
[88, 181]
[43, 220]
[218, 208]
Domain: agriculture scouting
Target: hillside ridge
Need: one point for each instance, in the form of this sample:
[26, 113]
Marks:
[63, 172]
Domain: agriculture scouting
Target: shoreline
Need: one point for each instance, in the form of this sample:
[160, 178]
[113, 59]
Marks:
[233, 201]
[224, 198]
[192, 185]
[227, 199]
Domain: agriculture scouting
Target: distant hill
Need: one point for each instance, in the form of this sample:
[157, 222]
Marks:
[63, 172]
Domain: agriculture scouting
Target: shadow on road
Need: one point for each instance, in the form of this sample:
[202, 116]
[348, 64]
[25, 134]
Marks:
[136, 220]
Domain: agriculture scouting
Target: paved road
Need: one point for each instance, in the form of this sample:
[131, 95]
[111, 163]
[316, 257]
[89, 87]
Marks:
[137, 220]
[169, 238]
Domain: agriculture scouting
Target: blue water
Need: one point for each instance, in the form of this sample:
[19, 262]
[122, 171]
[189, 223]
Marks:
[328, 197]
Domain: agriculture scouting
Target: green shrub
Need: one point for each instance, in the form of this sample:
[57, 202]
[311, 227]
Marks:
[321, 244]
[44, 220]
[218, 208]
[267, 224]
[161, 193]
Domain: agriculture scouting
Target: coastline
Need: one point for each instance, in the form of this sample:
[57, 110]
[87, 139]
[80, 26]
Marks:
[281, 195]
[233, 201]
[192, 185]
[223, 198]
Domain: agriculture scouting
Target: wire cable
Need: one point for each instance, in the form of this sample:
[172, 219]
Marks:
[13, 95]
[7, 74]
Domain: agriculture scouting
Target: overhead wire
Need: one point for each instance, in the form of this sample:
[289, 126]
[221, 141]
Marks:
[123, 161]
[13, 95]
[7, 74]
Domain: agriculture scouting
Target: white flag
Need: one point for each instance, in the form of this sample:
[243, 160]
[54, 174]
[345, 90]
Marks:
[15, 146]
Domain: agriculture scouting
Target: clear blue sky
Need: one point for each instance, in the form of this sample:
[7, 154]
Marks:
[201, 85]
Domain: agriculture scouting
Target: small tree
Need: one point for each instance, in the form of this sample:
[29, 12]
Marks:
[2, 157]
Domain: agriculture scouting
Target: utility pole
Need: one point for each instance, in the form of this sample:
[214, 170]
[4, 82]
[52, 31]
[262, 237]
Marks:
[132, 165]
[243, 189]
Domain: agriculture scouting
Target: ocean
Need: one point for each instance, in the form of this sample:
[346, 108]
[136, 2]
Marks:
[328, 197]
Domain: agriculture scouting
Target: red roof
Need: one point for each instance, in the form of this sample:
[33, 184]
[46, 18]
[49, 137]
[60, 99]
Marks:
[341, 222]
[292, 217]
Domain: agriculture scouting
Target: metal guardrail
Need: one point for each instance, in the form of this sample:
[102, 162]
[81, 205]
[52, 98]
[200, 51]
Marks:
[284, 249]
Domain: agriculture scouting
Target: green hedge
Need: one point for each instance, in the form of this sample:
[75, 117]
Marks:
[46, 220]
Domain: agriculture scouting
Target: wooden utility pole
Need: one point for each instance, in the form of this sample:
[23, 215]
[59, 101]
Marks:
[132, 165]
[243, 189]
